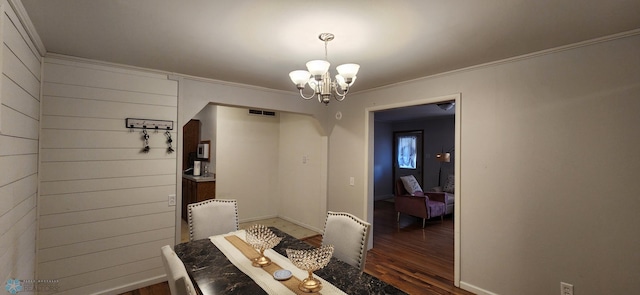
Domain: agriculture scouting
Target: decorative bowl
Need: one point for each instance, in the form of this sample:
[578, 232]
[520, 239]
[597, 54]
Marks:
[261, 238]
[310, 260]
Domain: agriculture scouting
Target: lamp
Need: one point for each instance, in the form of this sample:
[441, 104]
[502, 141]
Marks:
[442, 158]
[446, 105]
[319, 78]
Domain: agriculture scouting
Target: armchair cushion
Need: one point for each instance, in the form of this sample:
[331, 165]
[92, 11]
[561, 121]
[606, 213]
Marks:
[447, 198]
[449, 186]
[411, 185]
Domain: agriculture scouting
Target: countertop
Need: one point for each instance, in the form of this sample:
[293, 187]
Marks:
[199, 178]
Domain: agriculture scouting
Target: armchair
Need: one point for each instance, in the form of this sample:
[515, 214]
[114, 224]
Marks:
[418, 203]
[447, 193]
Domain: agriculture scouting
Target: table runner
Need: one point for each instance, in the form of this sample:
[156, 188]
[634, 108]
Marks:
[264, 277]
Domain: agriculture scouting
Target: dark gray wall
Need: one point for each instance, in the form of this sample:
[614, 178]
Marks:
[438, 135]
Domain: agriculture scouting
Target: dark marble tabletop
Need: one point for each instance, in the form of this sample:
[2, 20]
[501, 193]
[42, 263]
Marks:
[213, 273]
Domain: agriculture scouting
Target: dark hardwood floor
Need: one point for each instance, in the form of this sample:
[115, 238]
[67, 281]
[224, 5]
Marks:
[157, 289]
[415, 260]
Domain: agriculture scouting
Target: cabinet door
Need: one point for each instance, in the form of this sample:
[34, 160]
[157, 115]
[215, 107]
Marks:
[185, 198]
[206, 191]
[190, 141]
[188, 196]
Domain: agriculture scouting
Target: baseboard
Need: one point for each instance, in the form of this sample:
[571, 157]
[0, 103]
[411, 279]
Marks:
[133, 286]
[474, 289]
[309, 227]
[302, 224]
[257, 218]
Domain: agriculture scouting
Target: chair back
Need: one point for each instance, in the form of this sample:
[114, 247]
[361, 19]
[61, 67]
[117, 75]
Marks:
[349, 236]
[212, 217]
[400, 190]
[179, 282]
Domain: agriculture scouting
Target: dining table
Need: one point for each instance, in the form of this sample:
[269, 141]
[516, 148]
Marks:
[212, 272]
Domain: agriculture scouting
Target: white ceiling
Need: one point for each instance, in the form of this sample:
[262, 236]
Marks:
[260, 42]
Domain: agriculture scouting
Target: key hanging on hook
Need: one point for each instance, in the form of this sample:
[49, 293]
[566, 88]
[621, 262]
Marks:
[169, 141]
[145, 138]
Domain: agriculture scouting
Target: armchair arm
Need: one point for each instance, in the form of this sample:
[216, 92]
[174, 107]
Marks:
[412, 205]
[436, 196]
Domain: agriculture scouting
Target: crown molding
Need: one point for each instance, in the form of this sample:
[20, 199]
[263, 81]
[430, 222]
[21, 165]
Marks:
[18, 8]
[170, 75]
[590, 42]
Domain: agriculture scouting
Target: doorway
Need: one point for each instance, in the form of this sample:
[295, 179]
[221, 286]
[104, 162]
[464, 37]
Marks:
[372, 166]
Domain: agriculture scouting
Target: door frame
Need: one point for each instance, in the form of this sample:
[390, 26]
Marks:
[369, 166]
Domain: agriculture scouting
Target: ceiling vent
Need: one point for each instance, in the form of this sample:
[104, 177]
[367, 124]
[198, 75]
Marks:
[262, 113]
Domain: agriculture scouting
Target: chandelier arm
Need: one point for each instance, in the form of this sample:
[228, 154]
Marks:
[306, 98]
[340, 96]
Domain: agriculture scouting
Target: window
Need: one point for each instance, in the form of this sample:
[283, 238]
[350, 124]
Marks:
[407, 151]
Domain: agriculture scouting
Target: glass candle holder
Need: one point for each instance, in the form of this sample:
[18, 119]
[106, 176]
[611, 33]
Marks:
[310, 260]
[261, 238]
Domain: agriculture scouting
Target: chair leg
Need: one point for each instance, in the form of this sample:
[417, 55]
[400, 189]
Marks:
[423, 222]
[398, 219]
[442, 218]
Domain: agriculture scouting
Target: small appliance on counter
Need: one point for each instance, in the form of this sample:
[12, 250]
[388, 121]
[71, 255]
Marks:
[203, 151]
[196, 168]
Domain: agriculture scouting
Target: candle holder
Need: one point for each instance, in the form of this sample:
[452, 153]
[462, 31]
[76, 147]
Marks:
[261, 238]
[310, 260]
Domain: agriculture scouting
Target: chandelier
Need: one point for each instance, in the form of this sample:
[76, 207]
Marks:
[319, 78]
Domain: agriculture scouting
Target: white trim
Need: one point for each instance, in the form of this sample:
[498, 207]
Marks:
[179, 156]
[513, 59]
[307, 226]
[457, 234]
[474, 289]
[170, 75]
[18, 8]
[2, 21]
[369, 161]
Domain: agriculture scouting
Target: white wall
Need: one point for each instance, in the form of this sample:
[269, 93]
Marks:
[198, 93]
[303, 168]
[103, 203]
[19, 123]
[208, 118]
[247, 162]
[549, 162]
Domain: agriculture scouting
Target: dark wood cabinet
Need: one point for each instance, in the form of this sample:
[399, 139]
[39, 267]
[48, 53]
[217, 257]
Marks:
[194, 191]
[190, 141]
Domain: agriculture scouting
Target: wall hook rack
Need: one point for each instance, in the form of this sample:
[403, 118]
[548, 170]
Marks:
[149, 124]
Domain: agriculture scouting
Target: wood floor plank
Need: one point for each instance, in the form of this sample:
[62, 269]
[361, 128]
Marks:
[414, 259]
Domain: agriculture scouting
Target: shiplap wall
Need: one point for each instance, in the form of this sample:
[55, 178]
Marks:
[19, 122]
[104, 210]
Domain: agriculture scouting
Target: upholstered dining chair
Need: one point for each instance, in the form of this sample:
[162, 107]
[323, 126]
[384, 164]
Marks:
[179, 282]
[212, 217]
[348, 235]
